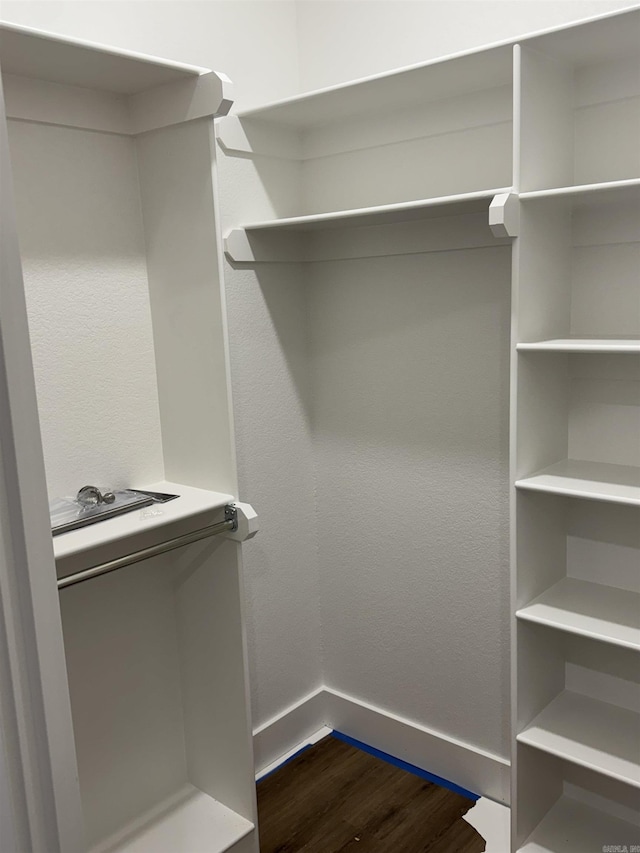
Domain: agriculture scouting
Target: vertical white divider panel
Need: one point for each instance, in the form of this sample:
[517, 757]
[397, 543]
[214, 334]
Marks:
[546, 134]
[213, 669]
[540, 309]
[35, 712]
[187, 304]
[513, 408]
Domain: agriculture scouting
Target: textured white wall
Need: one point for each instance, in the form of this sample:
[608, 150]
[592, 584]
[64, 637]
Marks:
[341, 40]
[80, 228]
[411, 395]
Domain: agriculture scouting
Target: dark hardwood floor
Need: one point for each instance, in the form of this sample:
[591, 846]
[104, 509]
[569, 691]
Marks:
[335, 798]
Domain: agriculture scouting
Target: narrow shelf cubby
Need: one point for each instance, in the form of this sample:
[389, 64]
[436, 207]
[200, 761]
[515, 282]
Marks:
[155, 703]
[580, 96]
[579, 416]
[580, 701]
[579, 269]
[577, 567]
[364, 144]
[569, 809]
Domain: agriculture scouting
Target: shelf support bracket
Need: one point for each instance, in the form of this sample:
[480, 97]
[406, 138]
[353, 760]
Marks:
[248, 138]
[250, 247]
[504, 215]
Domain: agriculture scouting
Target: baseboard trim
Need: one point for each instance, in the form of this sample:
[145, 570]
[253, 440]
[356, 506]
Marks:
[476, 770]
[288, 731]
[469, 767]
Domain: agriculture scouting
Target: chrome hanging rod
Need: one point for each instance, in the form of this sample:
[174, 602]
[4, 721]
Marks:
[230, 523]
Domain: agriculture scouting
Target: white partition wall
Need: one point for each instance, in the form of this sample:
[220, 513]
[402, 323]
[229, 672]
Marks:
[113, 164]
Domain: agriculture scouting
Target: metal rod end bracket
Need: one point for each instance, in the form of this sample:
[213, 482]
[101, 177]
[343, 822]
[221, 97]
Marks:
[245, 520]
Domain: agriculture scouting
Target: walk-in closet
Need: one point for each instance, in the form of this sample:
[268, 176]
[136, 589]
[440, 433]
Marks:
[367, 354]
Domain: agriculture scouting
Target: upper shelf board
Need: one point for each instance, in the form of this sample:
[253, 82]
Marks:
[285, 239]
[597, 481]
[431, 81]
[616, 192]
[589, 610]
[601, 39]
[56, 81]
[596, 40]
[406, 211]
[577, 344]
[30, 53]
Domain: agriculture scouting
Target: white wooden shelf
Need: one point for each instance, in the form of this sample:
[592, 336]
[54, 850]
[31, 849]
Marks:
[415, 84]
[131, 531]
[589, 733]
[597, 40]
[598, 481]
[590, 193]
[30, 53]
[577, 344]
[257, 241]
[189, 820]
[590, 610]
[384, 214]
[571, 827]
[66, 82]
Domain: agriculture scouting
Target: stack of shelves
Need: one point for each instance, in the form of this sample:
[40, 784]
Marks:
[111, 155]
[456, 114]
[576, 456]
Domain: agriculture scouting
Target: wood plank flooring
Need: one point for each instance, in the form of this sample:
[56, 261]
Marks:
[335, 798]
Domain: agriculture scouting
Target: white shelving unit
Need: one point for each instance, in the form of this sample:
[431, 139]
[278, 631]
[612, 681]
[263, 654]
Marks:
[572, 827]
[575, 453]
[317, 236]
[144, 681]
[590, 610]
[598, 481]
[590, 733]
[612, 345]
[405, 163]
[385, 214]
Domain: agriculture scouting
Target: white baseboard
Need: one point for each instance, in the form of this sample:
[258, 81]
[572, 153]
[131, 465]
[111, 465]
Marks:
[469, 767]
[279, 736]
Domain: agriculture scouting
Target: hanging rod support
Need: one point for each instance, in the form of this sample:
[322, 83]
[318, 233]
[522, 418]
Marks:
[229, 525]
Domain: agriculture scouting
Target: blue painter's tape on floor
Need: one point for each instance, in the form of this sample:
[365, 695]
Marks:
[404, 765]
[287, 761]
